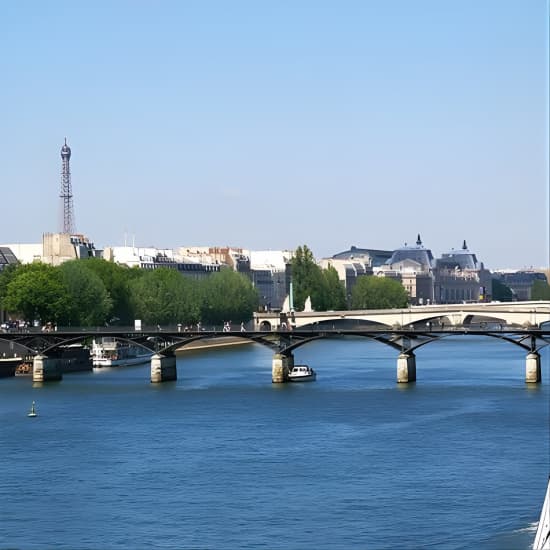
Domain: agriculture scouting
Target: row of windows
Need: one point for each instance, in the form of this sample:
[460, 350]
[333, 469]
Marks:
[183, 267]
[458, 294]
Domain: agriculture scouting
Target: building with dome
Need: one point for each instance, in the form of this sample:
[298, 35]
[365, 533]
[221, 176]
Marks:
[456, 277]
[413, 266]
[460, 277]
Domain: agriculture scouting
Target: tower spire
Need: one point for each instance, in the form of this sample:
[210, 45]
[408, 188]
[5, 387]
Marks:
[66, 194]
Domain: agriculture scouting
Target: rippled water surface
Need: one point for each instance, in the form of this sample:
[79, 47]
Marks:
[223, 458]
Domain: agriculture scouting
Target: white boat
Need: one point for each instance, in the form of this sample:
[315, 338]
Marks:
[301, 373]
[542, 538]
[109, 352]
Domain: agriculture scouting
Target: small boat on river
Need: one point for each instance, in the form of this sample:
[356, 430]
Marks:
[302, 373]
[109, 352]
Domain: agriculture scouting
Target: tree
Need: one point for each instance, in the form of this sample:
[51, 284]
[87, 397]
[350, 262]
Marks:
[501, 292]
[164, 296]
[540, 290]
[116, 279]
[37, 291]
[6, 275]
[227, 296]
[90, 303]
[335, 291]
[371, 292]
[307, 280]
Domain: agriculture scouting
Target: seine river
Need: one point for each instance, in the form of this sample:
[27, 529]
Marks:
[223, 458]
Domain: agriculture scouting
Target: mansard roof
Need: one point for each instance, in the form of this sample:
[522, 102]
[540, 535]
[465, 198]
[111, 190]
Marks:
[6, 257]
[461, 259]
[417, 253]
[377, 257]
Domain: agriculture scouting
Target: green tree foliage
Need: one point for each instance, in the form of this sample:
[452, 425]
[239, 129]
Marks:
[90, 292]
[321, 285]
[37, 291]
[501, 292]
[371, 292]
[116, 279]
[540, 290]
[164, 296]
[6, 275]
[307, 280]
[227, 296]
[335, 290]
[90, 303]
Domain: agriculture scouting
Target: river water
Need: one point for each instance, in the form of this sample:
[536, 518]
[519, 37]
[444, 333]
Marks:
[223, 458]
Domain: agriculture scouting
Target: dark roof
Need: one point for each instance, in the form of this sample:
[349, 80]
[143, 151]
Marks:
[421, 255]
[6, 257]
[461, 259]
[378, 257]
[521, 276]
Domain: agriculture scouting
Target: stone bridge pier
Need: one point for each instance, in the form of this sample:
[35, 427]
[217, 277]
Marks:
[46, 369]
[532, 368]
[163, 368]
[280, 367]
[406, 367]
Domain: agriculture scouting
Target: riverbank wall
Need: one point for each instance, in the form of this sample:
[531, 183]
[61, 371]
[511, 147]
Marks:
[214, 343]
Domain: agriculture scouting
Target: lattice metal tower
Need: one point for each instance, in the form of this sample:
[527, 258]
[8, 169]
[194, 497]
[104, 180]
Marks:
[66, 190]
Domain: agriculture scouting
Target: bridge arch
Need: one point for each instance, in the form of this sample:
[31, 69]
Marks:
[284, 343]
[83, 338]
[30, 350]
[512, 314]
[267, 339]
[397, 340]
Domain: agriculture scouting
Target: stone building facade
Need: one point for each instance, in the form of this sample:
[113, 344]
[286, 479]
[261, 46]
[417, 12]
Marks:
[456, 277]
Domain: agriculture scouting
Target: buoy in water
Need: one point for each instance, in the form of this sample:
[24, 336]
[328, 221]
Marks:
[32, 412]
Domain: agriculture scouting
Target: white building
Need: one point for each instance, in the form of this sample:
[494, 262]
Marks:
[348, 269]
[270, 275]
[194, 266]
[26, 253]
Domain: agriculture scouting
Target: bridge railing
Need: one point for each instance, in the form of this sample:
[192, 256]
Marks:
[314, 327]
[111, 329]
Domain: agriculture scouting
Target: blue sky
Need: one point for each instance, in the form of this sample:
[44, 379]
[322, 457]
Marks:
[268, 125]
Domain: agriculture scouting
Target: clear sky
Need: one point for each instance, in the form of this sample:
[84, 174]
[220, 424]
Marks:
[270, 124]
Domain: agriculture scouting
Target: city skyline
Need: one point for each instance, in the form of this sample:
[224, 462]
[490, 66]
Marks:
[269, 127]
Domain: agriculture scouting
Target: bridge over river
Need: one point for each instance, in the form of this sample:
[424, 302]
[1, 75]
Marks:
[44, 347]
[520, 314]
